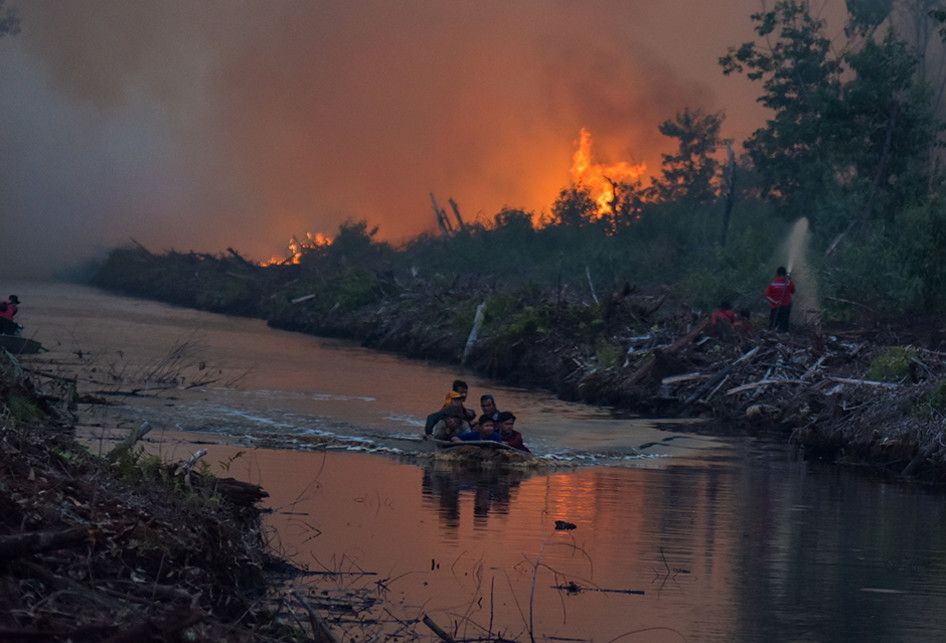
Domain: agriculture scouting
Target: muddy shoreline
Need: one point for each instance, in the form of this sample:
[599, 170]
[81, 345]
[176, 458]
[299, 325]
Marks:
[867, 394]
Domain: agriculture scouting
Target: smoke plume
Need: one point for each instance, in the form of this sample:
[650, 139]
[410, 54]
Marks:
[212, 124]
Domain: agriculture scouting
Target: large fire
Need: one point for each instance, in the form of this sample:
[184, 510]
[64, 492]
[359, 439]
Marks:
[299, 247]
[600, 178]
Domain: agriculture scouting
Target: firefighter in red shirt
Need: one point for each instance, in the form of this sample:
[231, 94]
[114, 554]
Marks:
[779, 295]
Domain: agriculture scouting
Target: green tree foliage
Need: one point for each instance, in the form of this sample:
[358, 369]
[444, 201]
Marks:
[866, 15]
[513, 220]
[885, 124]
[574, 207]
[850, 134]
[688, 174]
[801, 83]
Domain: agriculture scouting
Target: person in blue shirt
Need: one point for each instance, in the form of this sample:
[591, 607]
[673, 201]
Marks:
[485, 430]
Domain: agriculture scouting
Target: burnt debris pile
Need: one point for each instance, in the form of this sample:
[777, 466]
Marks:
[854, 396]
[121, 548]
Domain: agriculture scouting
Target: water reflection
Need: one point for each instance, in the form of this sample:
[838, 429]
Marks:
[445, 484]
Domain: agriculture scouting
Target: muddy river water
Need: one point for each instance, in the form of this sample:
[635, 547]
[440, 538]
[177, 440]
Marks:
[678, 536]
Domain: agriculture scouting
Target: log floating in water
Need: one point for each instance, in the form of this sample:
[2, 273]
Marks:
[436, 629]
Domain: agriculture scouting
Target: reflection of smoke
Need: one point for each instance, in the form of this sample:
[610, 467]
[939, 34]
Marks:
[212, 124]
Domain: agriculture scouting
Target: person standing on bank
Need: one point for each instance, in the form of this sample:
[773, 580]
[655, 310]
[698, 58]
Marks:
[8, 311]
[779, 295]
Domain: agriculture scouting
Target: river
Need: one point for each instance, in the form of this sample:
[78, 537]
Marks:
[677, 535]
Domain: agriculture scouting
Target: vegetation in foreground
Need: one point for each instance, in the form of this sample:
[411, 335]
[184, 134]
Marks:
[121, 548]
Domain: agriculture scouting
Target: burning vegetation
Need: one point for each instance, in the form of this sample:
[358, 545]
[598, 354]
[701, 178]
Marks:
[606, 183]
[297, 248]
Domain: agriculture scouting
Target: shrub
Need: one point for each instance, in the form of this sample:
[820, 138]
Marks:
[891, 364]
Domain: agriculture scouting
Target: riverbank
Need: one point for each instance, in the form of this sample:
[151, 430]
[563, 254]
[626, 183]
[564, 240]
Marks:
[869, 395]
[124, 547]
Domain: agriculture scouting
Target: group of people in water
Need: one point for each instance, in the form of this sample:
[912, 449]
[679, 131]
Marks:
[454, 422]
[8, 310]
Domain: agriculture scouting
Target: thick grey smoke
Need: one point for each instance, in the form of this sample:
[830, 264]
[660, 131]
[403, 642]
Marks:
[207, 124]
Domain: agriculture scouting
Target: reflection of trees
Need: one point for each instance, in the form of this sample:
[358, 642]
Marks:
[835, 556]
[491, 490]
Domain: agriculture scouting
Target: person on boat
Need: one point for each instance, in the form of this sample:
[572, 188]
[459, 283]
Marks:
[507, 432]
[459, 386]
[485, 430]
[488, 405]
[8, 310]
[454, 399]
[450, 425]
[779, 295]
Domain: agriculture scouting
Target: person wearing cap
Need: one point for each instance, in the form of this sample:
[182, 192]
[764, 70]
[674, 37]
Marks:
[461, 387]
[450, 425]
[507, 433]
[8, 309]
[454, 399]
[485, 430]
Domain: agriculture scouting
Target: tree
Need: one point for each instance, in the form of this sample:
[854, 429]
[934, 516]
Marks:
[801, 84]
[627, 204]
[851, 134]
[886, 123]
[688, 174]
[574, 207]
[9, 21]
[514, 220]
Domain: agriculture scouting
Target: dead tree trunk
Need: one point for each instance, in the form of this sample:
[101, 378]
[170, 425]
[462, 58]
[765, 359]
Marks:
[474, 332]
[730, 192]
[442, 220]
[456, 213]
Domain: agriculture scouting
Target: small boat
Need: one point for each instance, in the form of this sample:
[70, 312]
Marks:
[482, 450]
[16, 345]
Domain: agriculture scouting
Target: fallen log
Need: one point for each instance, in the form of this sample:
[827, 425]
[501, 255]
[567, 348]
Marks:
[155, 628]
[321, 633]
[126, 444]
[848, 380]
[34, 542]
[720, 377]
[436, 629]
[686, 377]
[762, 382]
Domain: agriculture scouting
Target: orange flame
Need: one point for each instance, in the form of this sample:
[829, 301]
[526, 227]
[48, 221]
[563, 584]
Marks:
[598, 177]
[299, 247]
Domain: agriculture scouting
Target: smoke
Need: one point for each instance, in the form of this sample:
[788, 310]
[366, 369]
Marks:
[214, 124]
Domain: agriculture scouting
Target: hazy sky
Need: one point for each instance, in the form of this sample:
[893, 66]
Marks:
[202, 125]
